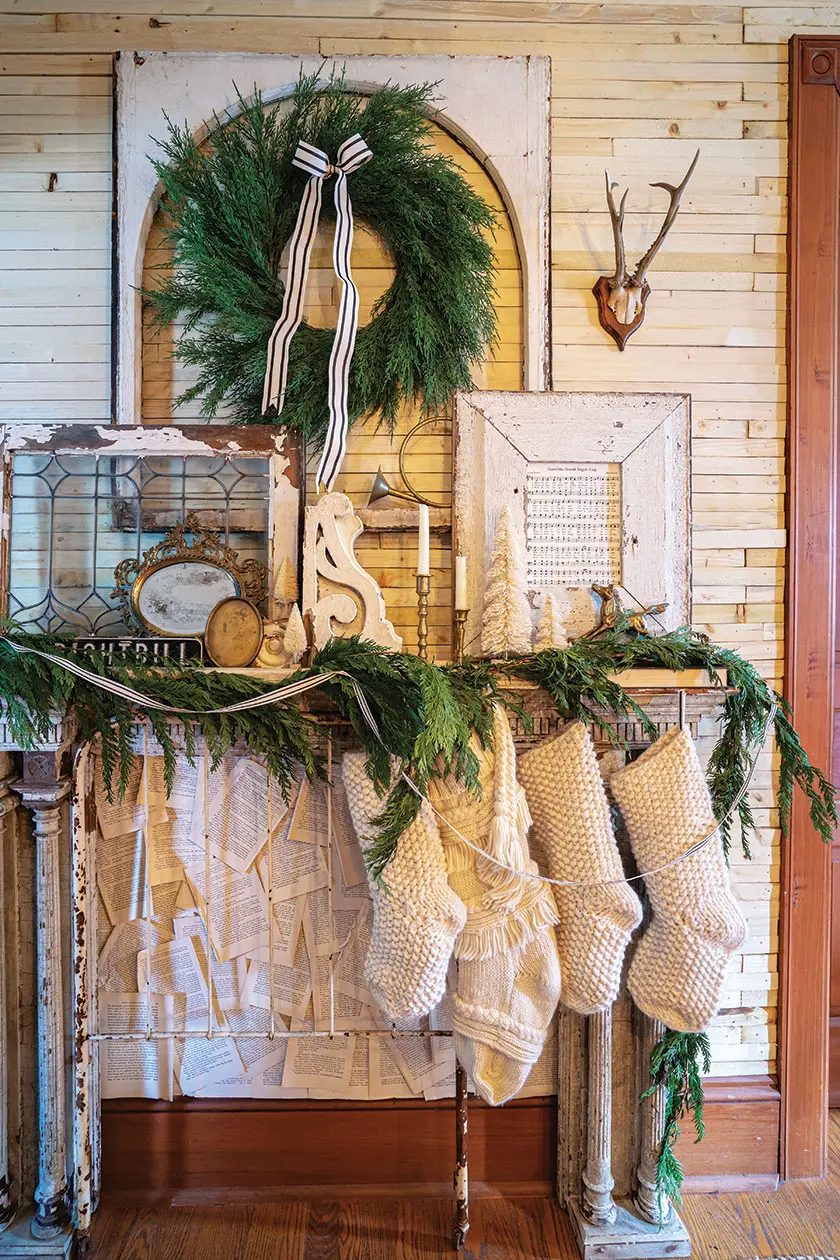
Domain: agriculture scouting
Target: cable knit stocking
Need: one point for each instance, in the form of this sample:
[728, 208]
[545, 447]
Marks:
[680, 965]
[572, 825]
[508, 973]
[416, 920]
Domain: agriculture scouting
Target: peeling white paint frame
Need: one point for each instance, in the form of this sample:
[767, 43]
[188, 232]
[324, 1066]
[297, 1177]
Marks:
[498, 434]
[497, 107]
[283, 524]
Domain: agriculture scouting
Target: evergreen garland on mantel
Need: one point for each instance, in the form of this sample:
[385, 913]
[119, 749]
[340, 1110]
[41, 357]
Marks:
[426, 714]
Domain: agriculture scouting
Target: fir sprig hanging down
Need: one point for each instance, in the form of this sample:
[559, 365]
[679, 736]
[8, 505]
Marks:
[231, 205]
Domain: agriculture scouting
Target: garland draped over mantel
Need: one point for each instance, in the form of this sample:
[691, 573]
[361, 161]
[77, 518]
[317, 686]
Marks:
[425, 715]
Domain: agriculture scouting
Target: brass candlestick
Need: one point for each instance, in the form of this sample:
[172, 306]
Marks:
[461, 615]
[423, 587]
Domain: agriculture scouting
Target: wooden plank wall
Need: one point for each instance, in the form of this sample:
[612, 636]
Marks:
[635, 87]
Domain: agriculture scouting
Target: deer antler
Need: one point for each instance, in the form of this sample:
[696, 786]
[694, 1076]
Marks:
[617, 217]
[675, 192]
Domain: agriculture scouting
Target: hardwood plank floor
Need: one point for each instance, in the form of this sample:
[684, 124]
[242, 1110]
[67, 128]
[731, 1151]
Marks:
[800, 1218]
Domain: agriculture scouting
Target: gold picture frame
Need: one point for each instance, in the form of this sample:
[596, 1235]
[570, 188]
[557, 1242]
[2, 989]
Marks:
[172, 589]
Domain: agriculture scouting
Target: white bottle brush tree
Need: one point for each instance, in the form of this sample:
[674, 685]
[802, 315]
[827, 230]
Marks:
[506, 624]
[551, 631]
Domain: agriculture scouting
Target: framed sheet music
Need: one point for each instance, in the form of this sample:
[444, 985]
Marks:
[598, 490]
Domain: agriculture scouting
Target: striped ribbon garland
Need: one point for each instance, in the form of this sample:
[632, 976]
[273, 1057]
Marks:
[352, 154]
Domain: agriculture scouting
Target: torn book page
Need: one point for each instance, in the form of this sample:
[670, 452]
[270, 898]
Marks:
[117, 965]
[326, 934]
[297, 868]
[175, 968]
[227, 979]
[350, 968]
[358, 1086]
[288, 917]
[237, 821]
[322, 1063]
[292, 985]
[171, 848]
[386, 1078]
[125, 814]
[202, 1060]
[135, 1069]
[238, 908]
[121, 876]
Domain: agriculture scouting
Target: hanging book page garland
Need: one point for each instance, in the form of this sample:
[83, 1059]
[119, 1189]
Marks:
[235, 202]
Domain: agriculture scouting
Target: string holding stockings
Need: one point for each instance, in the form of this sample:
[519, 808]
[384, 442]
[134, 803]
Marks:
[352, 154]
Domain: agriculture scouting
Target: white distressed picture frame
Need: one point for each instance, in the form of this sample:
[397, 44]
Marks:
[500, 435]
[497, 107]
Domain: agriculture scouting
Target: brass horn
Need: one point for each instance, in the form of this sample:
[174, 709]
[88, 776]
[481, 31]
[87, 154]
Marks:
[382, 488]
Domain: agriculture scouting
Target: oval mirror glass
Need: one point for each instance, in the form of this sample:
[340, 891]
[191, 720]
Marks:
[176, 599]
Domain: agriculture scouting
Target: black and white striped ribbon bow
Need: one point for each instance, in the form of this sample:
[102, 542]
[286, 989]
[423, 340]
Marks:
[352, 154]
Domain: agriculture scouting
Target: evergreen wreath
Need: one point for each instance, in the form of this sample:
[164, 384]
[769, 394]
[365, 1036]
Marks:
[232, 204]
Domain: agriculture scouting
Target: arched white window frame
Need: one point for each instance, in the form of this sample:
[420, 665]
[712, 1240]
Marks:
[497, 107]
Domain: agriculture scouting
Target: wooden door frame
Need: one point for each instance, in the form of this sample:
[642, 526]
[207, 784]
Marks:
[813, 334]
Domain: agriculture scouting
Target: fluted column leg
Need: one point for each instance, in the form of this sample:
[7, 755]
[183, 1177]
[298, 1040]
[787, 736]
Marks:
[597, 1200]
[7, 1205]
[649, 1202]
[45, 802]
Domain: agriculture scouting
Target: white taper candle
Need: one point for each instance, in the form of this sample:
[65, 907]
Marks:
[423, 542]
[461, 584]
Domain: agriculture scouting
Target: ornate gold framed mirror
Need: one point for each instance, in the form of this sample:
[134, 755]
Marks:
[176, 584]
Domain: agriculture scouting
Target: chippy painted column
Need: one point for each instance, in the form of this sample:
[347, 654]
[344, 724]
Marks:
[648, 1201]
[7, 1204]
[43, 791]
[597, 1200]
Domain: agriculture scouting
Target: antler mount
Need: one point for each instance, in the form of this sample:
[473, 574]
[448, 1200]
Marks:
[622, 296]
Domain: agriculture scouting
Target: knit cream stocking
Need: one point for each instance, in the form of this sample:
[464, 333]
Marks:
[680, 965]
[572, 825]
[417, 917]
[508, 973]
[503, 1009]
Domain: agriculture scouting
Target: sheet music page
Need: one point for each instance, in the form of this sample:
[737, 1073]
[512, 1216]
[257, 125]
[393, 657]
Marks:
[135, 1069]
[573, 525]
[238, 908]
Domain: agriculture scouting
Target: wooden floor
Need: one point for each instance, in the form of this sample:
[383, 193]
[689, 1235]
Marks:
[800, 1219]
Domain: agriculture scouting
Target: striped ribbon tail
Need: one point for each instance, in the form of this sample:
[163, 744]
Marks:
[352, 154]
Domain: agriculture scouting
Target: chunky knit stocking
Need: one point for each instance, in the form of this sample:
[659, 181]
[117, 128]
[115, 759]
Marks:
[572, 826]
[680, 965]
[417, 918]
[508, 973]
[503, 1010]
